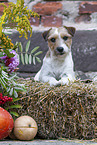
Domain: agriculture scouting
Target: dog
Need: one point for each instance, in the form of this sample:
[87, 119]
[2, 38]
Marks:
[57, 68]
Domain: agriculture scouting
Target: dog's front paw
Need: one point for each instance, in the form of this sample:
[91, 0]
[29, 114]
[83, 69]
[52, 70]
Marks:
[64, 81]
[54, 82]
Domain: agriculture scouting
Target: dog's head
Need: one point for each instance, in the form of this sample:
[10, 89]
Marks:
[59, 39]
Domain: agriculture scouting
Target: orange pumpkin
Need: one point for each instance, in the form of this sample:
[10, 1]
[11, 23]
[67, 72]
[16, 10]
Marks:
[6, 123]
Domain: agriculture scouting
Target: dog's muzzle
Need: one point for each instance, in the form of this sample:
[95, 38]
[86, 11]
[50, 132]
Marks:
[60, 50]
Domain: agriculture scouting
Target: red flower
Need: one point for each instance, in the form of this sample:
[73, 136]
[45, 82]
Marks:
[5, 99]
[8, 61]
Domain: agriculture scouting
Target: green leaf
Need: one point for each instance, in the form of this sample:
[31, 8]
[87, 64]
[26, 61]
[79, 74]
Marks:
[5, 76]
[34, 49]
[20, 46]
[27, 46]
[26, 58]
[12, 78]
[34, 60]
[4, 73]
[16, 99]
[20, 85]
[30, 59]
[1, 54]
[3, 83]
[11, 92]
[16, 46]
[15, 94]
[38, 59]
[38, 53]
[15, 106]
[18, 89]
[22, 58]
[18, 57]
[14, 113]
[8, 53]
[8, 89]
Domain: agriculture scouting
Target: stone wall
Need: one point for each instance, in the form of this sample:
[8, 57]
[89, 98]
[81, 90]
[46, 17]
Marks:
[58, 13]
[84, 50]
[81, 14]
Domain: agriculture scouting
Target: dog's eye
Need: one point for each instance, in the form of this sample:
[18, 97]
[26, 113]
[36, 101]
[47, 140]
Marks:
[65, 38]
[53, 39]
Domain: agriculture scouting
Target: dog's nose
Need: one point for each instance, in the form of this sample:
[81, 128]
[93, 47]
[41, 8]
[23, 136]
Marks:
[60, 49]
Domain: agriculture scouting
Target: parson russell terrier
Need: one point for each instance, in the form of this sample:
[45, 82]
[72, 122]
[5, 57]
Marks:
[57, 68]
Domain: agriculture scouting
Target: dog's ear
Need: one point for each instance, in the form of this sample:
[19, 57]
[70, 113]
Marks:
[71, 30]
[45, 34]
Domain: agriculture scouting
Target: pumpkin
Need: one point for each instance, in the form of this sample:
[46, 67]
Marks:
[25, 128]
[6, 123]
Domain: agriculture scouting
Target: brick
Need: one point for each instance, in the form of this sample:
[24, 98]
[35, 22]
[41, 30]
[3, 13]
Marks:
[51, 21]
[47, 8]
[3, 0]
[83, 18]
[34, 21]
[88, 7]
[2, 8]
[52, 0]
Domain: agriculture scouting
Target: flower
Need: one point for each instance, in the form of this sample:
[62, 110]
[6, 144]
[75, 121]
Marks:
[12, 62]
[4, 99]
[6, 42]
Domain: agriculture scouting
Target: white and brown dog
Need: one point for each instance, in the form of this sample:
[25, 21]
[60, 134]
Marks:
[57, 68]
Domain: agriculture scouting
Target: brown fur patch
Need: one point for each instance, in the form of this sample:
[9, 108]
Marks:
[61, 33]
[58, 35]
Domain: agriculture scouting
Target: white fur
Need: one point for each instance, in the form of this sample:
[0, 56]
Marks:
[57, 70]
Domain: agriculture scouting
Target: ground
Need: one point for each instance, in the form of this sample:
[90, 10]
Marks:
[49, 142]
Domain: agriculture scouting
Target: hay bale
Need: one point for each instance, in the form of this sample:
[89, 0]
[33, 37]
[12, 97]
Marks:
[68, 111]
